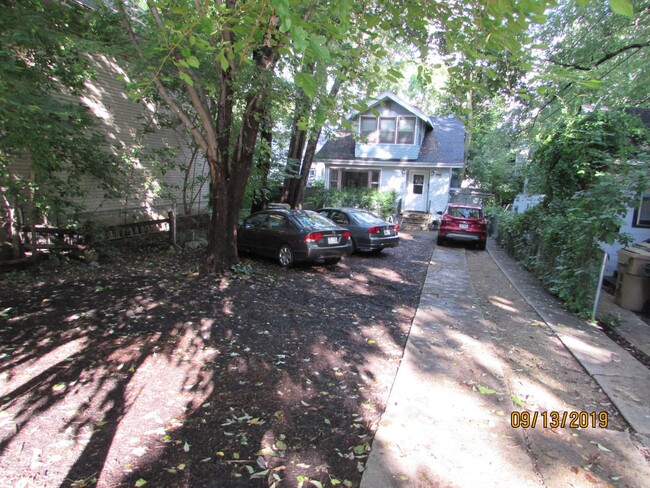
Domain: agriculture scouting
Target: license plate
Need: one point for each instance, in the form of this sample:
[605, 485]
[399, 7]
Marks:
[464, 226]
[386, 232]
[332, 240]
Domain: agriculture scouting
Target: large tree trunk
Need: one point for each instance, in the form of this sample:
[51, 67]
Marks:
[295, 187]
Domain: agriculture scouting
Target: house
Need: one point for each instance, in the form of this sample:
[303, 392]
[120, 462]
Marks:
[156, 180]
[396, 146]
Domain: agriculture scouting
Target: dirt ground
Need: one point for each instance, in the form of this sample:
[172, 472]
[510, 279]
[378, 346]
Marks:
[141, 372]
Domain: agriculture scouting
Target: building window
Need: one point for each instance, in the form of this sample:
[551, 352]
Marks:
[388, 130]
[374, 180]
[334, 178]
[418, 184]
[642, 213]
[355, 178]
[406, 130]
[369, 129]
[456, 177]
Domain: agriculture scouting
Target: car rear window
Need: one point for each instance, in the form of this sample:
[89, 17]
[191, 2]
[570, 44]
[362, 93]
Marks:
[465, 212]
[311, 220]
[367, 218]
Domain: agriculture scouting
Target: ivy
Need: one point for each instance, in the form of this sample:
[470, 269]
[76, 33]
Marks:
[593, 168]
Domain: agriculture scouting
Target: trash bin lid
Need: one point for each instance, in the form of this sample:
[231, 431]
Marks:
[633, 259]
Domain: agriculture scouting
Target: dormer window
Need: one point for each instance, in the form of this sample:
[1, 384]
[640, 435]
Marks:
[387, 130]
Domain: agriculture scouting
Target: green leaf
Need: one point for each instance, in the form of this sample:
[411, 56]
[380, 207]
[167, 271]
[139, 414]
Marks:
[320, 50]
[486, 391]
[622, 7]
[299, 39]
[140, 482]
[517, 401]
[186, 78]
[308, 84]
[193, 61]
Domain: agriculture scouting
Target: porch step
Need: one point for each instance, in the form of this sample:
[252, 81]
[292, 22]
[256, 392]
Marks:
[411, 220]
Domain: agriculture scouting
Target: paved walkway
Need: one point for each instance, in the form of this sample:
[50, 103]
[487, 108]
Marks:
[437, 432]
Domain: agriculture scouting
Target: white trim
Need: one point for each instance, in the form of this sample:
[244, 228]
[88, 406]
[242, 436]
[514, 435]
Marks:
[388, 94]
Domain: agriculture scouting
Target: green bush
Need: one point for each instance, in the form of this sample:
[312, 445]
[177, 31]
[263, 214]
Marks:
[380, 202]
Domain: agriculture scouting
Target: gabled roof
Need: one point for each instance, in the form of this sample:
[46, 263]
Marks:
[442, 146]
[390, 95]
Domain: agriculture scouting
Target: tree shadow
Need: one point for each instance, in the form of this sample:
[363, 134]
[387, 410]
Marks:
[186, 380]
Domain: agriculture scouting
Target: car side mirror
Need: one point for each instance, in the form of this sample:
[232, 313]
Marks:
[439, 212]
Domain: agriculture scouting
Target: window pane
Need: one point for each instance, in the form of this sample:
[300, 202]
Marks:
[406, 134]
[369, 128]
[418, 184]
[374, 176]
[387, 130]
[642, 213]
[407, 124]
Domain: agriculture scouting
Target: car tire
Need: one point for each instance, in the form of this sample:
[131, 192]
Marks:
[482, 245]
[354, 246]
[285, 256]
[440, 241]
[329, 261]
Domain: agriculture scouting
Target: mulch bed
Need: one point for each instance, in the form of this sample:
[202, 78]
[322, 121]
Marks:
[143, 372]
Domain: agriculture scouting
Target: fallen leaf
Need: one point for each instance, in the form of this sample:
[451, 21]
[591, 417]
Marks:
[140, 482]
[486, 391]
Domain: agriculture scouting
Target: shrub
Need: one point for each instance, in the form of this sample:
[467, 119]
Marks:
[382, 203]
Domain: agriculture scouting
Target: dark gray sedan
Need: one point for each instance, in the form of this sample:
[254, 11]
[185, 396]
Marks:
[369, 231]
[293, 235]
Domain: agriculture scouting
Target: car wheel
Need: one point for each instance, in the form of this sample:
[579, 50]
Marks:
[354, 246]
[285, 255]
[440, 241]
[482, 245]
[331, 260]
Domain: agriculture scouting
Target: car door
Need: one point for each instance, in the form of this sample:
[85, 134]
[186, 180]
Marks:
[250, 237]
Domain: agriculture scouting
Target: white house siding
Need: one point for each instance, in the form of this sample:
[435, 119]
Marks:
[439, 189]
[639, 234]
[149, 192]
[150, 195]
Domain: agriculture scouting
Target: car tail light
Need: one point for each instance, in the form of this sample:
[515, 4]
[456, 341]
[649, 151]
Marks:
[313, 237]
[373, 230]
[346, 234]
[396, 228]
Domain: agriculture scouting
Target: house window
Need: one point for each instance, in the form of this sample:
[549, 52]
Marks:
[388, 130]
[642, 213]
[369, 129]
[359, 179]
[418, 184]
[456, 177]
[334, 178]
[406, 130]
[374, 180]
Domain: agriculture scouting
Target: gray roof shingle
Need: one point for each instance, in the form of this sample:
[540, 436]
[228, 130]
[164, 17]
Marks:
[444, 145]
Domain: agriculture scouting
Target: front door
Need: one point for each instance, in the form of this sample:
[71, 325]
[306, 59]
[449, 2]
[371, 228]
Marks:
[417, 193]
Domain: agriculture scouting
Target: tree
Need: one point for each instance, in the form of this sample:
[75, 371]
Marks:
[43, 65]
[212, 64]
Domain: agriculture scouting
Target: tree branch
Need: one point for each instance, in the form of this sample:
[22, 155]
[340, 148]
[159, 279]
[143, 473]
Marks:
[162, 90]
[602, 60]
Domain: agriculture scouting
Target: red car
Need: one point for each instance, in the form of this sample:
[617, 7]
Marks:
[464, 223]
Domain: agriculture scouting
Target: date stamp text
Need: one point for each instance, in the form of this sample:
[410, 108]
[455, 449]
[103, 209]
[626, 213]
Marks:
[555, 419]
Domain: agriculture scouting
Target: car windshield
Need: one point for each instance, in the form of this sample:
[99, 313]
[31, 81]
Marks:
[465, 212]
[367, 218]
[311, 220]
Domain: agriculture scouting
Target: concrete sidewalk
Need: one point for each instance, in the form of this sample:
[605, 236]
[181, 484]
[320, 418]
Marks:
[625, 380]
[441, 428]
